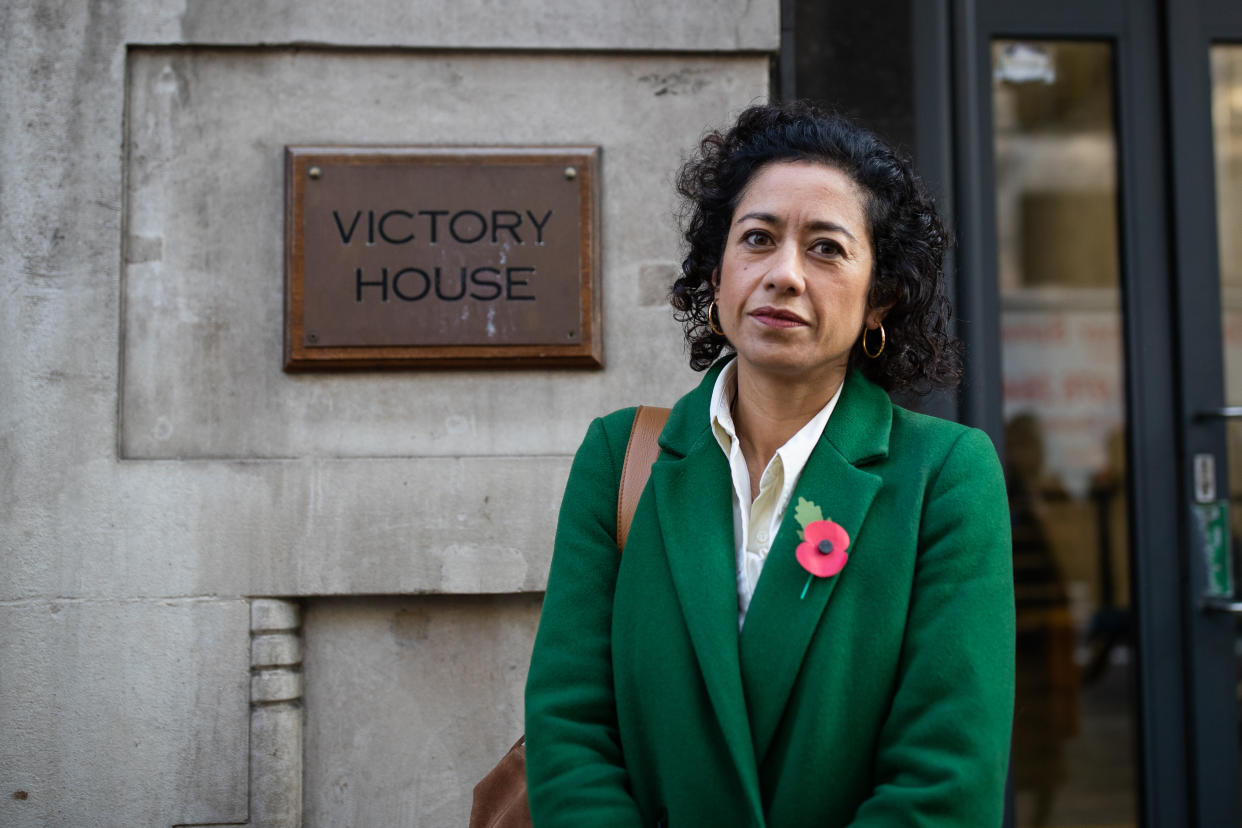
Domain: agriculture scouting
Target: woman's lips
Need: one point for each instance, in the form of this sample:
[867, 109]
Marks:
[777, 318]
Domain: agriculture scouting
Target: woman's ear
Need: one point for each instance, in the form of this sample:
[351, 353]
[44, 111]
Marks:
[716, 283]
[877, 312]
[876, 315]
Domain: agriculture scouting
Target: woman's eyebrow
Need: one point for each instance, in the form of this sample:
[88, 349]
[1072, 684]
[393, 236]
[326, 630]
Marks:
[818, 225]
[830, 226]
[766, 218]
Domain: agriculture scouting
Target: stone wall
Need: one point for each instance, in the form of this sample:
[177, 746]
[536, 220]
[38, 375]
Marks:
[236, 595]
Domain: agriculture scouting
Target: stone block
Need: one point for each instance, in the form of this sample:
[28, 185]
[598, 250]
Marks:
[480, 24]
[270, 615]
[409, 702]
[124, 712]
[267, 686]
[280, 649]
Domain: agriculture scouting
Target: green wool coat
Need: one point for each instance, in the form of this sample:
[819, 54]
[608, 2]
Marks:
[883, 698]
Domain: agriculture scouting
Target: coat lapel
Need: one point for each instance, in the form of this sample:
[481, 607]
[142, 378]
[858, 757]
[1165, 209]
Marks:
[693, 492]
[780, 625]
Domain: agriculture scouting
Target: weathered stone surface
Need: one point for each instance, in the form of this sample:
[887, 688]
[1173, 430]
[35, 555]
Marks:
[156, 464]
[528, 24]
[276, 752]
[268, 686]
[275, 648]
[274, 614]
[433, 685]
[203, 322]
[124, 712]
[304, 528]
[80, 523]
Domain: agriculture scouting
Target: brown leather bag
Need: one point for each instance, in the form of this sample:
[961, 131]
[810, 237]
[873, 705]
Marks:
[500, 797]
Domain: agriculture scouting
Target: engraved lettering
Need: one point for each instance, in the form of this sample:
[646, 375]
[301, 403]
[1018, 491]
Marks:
[453, 226]
[480, 282]
[360, 284]
[510, 282]
[345, 237]
[396, 284]
[460, 294]
[512, 228]
[384, 235]
[434, 214]
[539, 224]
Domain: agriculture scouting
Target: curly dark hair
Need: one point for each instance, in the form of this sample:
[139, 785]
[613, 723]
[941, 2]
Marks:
[908, 239]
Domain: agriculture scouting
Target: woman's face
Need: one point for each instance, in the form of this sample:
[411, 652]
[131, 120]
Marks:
[793, 282]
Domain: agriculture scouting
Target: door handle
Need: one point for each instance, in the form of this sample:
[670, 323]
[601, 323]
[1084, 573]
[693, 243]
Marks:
[1212, 603]
[1228, 412]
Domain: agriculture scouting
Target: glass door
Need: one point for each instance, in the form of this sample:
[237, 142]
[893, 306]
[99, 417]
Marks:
[1226, 67]
[1062, 398]
[1073, 294]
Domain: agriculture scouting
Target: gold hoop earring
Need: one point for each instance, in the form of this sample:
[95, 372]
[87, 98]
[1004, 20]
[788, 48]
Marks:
[711, 322]
[882, 343]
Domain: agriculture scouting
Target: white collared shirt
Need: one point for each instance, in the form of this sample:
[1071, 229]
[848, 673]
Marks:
[755, 522]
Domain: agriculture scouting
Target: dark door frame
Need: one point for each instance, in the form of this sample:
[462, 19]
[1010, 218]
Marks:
[1212, 715]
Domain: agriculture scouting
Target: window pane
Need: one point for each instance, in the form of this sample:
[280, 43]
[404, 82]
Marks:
[1227, 129]
[1056, 196]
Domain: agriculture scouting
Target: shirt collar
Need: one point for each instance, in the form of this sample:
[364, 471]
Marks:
[794, 453]
[720, 411]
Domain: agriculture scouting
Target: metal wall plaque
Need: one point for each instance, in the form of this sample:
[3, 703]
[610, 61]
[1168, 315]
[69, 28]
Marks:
[441, 257]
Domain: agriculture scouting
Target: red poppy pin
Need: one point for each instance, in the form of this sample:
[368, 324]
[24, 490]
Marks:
[822, 551]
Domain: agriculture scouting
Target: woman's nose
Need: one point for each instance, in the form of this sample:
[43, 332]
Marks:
[786, 272]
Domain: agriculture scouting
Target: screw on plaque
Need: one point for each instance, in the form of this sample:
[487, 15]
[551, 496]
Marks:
[314, 172]
[312, 338]
[570, 335]
[571, 173]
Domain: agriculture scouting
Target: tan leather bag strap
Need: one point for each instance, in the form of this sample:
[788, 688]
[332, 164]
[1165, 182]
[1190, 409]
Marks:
[500, 797]
[641, 451]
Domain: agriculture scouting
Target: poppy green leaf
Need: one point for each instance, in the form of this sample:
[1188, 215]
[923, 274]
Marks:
[807, 512]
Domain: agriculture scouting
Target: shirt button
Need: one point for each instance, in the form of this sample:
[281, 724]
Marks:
[763, 551]
[763, 535]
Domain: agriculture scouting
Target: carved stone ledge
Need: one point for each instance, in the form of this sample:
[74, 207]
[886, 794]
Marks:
[275, 798]
[275, 713]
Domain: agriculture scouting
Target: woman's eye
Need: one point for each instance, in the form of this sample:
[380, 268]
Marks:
[827, 247]
[755, 238]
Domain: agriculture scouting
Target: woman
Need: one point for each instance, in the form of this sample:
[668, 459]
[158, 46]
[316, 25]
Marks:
[812, 623]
